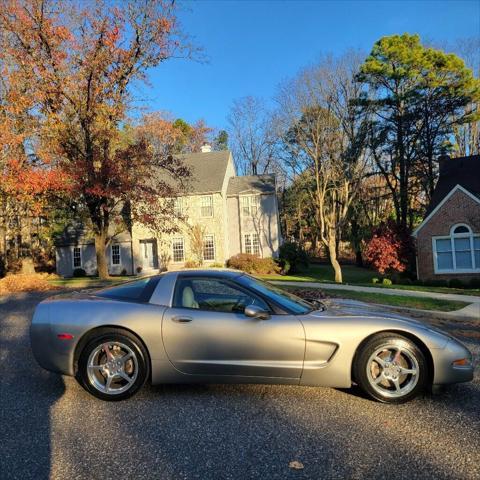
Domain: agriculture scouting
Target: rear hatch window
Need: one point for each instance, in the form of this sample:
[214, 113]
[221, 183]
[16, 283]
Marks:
[136, 291]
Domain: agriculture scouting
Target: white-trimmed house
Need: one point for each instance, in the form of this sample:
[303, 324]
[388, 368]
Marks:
[238, 214]
[448, 239]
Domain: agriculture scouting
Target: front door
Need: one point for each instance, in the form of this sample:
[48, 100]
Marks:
[149, 254]
[207, 333]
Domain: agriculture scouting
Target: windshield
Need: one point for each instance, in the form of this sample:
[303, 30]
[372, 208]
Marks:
[286, 300]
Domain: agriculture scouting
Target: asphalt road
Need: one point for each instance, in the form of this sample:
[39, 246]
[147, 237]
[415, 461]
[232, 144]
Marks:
[51, 428]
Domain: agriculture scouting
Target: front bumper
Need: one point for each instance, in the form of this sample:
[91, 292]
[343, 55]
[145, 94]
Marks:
[444, 370]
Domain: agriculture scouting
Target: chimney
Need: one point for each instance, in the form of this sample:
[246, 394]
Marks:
[442, 163]
[206, 148]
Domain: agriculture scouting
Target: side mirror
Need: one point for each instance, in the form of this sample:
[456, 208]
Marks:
[254, 311]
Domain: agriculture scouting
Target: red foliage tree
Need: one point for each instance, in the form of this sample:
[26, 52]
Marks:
[389, 249]
[80, 64]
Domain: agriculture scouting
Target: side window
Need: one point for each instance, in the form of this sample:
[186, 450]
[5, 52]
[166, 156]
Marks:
[214, 294]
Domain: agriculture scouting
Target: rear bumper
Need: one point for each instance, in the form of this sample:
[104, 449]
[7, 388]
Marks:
[444, 370]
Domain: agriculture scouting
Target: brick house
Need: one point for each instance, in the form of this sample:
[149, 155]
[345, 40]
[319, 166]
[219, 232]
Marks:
[236, 214]
[448, 239]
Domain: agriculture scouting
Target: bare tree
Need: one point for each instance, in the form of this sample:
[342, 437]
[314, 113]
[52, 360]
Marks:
[325, 137]
[467, 135]
[252, 136]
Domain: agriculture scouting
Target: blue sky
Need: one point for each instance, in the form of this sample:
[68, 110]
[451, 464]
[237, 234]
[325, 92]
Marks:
[253, 45]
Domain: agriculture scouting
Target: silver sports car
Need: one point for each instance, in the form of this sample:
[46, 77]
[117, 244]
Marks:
[221, 326]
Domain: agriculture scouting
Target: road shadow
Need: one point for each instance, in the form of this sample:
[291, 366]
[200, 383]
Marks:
[27, 393]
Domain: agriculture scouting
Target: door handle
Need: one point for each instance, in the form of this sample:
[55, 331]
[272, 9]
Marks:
[180, 319]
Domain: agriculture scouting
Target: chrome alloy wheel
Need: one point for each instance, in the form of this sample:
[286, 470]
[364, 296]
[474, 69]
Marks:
[112, 368]
[393, 370]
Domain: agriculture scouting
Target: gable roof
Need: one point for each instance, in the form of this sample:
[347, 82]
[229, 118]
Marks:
[463, 171]
[443, 201]
[78, 234]
[207, 170]
[251, 183]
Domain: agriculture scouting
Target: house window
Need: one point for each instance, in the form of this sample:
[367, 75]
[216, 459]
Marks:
[178, 250]
[252, 243]
[115, 254]
[178, 206]
[207, 206]
[77, 257]
[208, 248]
[457, 253]
[249, 205]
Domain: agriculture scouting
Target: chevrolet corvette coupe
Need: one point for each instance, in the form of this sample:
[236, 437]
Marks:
[223, 326]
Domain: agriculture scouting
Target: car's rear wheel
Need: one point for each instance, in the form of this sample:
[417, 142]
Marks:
[391, 368]
[113, 365]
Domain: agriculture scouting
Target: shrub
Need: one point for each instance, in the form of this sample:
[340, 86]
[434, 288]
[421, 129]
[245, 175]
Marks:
[456, 283]
[436, 283]
[284, 265]
[474, 283]
[387, 281]
[375, 280]
[123, 272]
[191, 264]
[139, 270]
[389, 249]
[217, 265]
[253, 264]
[79, 272]
[291, 254]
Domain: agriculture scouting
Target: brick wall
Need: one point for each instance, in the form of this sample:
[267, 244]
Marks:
[459, 208]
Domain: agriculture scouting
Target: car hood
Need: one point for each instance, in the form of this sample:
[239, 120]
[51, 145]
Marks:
[352, 308]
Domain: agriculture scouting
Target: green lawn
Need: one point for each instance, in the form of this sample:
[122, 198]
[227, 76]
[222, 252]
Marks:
[88, 282]
[324, 273]
[396, 300]
[353, 275]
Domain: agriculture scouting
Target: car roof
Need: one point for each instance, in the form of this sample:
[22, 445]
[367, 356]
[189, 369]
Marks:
[210, 272]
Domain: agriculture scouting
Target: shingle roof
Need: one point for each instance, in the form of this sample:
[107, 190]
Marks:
[79, 235]
[464, 171]
[207, 170]
[251, 183]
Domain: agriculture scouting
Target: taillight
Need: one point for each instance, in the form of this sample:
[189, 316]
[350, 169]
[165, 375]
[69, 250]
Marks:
[65, 336]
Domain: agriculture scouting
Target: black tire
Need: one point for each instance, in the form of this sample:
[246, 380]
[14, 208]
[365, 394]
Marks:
[118, 342]
[394, 384]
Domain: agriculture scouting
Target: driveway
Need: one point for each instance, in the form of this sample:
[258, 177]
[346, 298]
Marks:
[51, 428]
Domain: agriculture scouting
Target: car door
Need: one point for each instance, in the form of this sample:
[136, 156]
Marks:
[206, 332]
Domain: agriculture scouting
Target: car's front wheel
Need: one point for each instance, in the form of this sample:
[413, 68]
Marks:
[113, 365]
[391, 368]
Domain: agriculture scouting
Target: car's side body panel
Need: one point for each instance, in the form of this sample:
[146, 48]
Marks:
[219, 343]
[79, 315]
[313, 349]
[338, 337]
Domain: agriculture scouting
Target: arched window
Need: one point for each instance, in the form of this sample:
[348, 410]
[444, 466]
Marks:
[457, 253]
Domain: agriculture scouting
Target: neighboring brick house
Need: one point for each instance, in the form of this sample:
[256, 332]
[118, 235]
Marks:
[236, 213]
[448, 239]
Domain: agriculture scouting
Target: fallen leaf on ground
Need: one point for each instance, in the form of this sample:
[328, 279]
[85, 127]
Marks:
[296, 465]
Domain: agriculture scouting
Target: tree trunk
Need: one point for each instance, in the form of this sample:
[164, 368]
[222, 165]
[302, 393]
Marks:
[100, 246]
[333, 260]
[358, 257]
